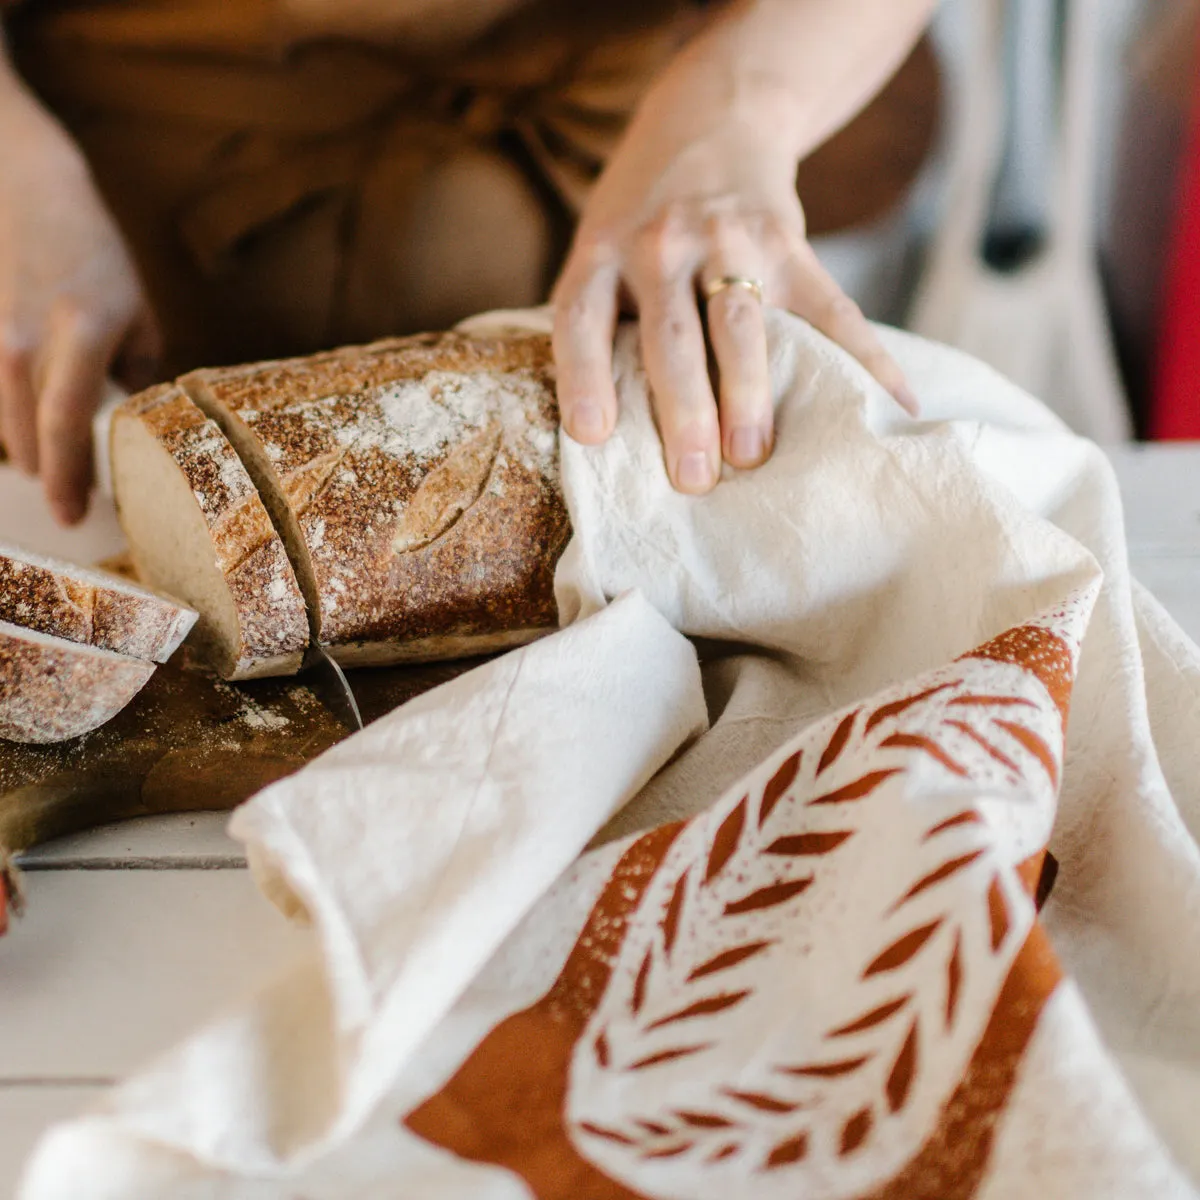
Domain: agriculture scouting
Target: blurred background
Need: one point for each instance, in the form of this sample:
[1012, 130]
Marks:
[1026, 188]
[1054, 227]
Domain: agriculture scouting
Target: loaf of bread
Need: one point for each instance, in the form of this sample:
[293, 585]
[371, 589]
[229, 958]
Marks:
[198, 529]
[52, 689]
[414, 482]
[92, 607]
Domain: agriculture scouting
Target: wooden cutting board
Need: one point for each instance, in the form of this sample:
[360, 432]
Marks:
[187, 742]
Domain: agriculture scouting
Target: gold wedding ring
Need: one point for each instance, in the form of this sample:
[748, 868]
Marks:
[713, 286]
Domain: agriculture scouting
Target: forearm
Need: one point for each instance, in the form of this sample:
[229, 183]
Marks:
[798, 70]
[28, 131]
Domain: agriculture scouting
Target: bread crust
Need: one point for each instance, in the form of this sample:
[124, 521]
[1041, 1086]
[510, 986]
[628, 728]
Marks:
[417, 482]
[90, 607]
[272, 622]
[52, 689]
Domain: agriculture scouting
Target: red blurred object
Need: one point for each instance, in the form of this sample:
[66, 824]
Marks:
[1175, 407]
[11, 902]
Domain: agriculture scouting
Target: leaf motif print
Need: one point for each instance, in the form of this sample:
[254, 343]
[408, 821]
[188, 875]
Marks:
[701, 1008]
[666, 1056]
[814, 960]
[778, 785]
[1001, 922]
[874, 1017]
[705, 1120]
[987, 747]
[970, 817]
[902, 950]
[768, 897]
[638, 995]
[727, 959]
[668, 1151]
[611, 1135]
[791, 1150]
[809, 843]
[1035, 746]
[724, 1152]
[653, 1127]
[855, 1131]
[954, 972]
[762, 1101]
[993, 701]
[670, 922]
[893, 709]
[900, 1078]
[726, 841]
[917, 741]
[830, 1070]
[858, 789]
[837, 743]
[945, 871]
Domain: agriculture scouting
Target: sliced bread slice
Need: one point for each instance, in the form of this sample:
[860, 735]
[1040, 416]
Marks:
[89, 606]
[52, 689]
[197, 529]
[415, 482]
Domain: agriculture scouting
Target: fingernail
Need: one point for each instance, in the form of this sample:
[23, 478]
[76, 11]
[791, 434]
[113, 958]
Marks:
[694, 472]
[69, 514]
[746, 446]
[588, 422]
[907, 399]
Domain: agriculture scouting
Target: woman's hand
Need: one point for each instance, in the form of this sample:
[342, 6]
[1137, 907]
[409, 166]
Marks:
[701, 189]
[71, 307]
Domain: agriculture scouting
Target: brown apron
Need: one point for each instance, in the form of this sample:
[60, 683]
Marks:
[281, 197]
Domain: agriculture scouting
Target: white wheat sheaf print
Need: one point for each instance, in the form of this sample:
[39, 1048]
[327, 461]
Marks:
[823, 986]
[810, 971]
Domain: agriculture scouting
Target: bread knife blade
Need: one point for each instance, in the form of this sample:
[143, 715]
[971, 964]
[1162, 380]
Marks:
[331, 686]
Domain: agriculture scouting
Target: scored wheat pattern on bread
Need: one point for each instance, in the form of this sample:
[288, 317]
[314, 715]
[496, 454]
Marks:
[401, 498]
[415, 482]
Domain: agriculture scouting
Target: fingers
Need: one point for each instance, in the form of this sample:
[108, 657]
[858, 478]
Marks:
[676, 361]
[738, 336]
[76, 364]
[815, 295]
[661, 280]
[658, 267]
[585, 318]
[739, 342]
[18, 425]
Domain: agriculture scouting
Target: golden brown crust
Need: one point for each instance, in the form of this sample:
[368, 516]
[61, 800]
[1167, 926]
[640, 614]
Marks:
[82, 606]
[52, 689]
[421, 476]
[273, 625]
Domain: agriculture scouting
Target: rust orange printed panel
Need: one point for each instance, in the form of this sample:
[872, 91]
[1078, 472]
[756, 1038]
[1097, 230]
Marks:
[823, 986]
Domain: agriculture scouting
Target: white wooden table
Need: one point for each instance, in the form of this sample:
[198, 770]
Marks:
[137, 933]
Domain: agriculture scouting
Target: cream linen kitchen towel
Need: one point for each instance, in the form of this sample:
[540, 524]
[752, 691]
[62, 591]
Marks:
[806, 959]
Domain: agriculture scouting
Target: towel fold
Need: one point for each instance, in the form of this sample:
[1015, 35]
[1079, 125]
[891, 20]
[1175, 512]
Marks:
[804, 955]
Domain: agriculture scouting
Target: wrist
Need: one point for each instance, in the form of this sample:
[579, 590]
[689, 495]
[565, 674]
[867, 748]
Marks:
[716, 81]
[795, 70]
